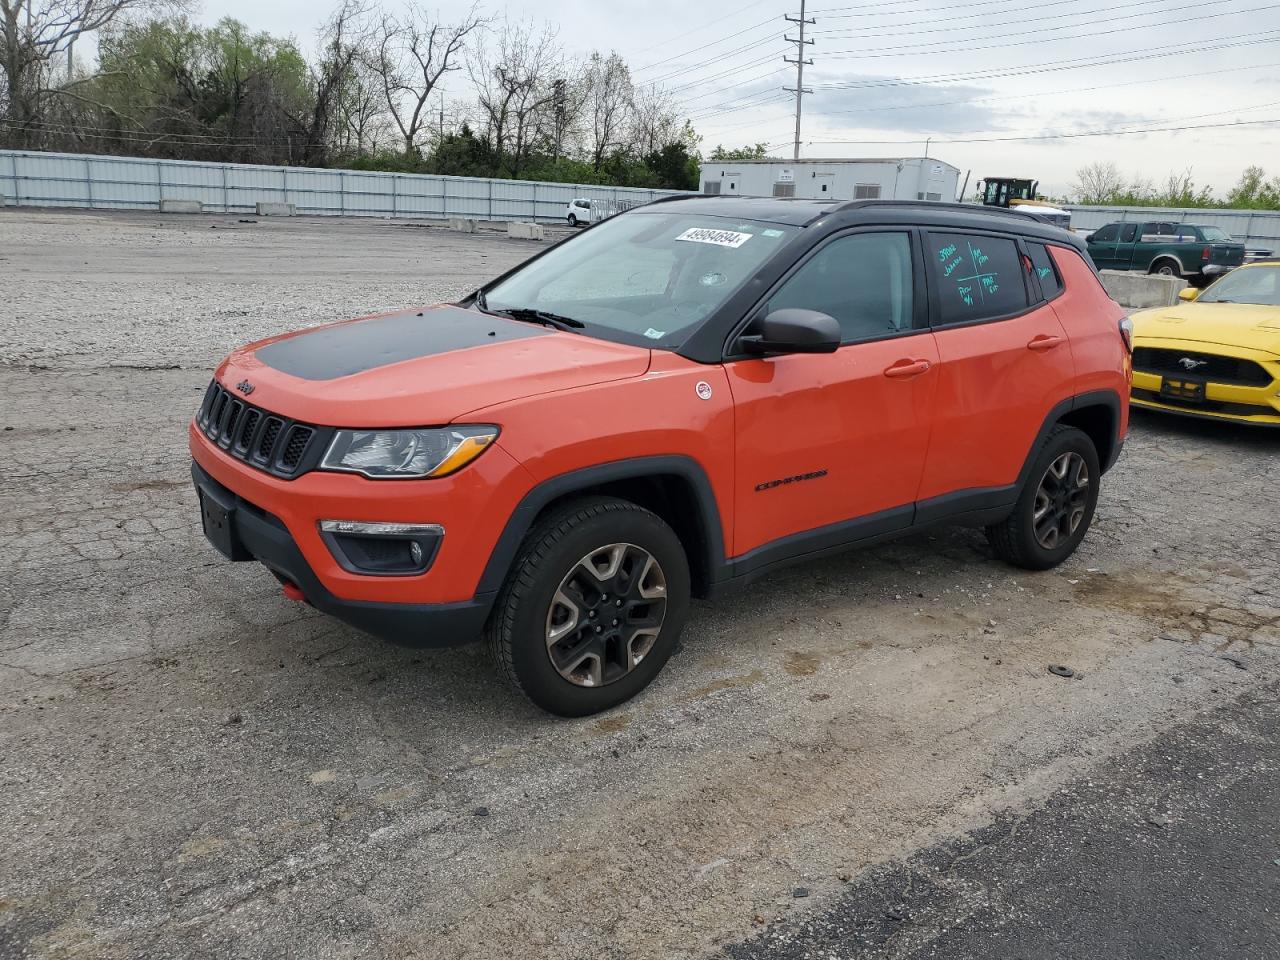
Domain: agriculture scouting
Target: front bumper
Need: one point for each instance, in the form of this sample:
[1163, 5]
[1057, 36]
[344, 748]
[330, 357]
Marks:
[1254, 405]
[259, 535]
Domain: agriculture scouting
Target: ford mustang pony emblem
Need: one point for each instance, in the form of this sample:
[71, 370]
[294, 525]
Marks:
[1190, 363]
[245, 387]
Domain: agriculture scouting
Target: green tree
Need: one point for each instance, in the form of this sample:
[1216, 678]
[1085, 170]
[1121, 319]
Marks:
[758, 152]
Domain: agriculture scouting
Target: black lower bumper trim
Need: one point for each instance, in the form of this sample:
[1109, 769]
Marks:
[265, 538]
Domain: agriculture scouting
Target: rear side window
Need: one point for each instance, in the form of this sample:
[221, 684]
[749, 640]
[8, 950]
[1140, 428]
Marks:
[978, 278]
[1129, 233]
[1042, 263]
[1106, 234]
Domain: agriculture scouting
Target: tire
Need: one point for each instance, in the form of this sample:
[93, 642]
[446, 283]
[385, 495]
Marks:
[563, 571]
[573, 220]
[1166, 268]
[1023, 541]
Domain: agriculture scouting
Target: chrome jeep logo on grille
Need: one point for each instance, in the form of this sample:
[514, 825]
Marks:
[245, 387]
[1190, 363]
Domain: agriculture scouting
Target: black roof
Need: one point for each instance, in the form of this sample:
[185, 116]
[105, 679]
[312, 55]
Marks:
[803, 212]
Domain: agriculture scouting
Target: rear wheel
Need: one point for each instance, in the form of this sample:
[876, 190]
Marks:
[1055, 508]
[593, 607]
[1167, 268]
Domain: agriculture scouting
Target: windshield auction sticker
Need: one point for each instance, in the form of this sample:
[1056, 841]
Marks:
[721, 238]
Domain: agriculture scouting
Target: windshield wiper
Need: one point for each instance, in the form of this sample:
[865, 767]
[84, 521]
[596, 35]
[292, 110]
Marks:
[547, 319]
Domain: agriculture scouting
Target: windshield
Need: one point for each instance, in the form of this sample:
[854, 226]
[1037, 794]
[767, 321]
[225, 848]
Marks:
[1214, 234]
[1250, 285]
[649, 278]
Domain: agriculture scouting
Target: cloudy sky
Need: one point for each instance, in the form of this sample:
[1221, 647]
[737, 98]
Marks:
[889, 75]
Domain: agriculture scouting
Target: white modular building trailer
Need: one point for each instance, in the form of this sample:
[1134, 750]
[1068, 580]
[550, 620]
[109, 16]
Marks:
[910, 178]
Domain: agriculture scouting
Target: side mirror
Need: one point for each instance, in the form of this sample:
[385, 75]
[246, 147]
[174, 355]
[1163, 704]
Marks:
[795, 331]
[1188, 294]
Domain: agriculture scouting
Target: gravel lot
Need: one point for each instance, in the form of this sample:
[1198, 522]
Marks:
[193, 766]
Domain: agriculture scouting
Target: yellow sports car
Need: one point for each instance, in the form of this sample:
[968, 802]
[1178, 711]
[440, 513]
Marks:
[1216, 355]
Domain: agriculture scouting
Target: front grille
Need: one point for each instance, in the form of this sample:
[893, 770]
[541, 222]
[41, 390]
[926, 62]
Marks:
[1205, 366]
[271, 443]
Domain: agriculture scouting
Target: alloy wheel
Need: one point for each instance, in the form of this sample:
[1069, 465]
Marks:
[606, 614]
[1061, 500]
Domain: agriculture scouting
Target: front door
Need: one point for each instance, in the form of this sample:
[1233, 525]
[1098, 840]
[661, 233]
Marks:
[830, 447]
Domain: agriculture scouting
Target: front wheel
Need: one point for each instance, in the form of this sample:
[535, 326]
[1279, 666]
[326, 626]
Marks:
[573, 220]
[593, 607]
[1055, 507]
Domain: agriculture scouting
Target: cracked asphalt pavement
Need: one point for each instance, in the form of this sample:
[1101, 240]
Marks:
[193, 766]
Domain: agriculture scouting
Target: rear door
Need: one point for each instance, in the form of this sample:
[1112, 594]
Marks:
[1004, 362]
[1122, 258]
[832, 445]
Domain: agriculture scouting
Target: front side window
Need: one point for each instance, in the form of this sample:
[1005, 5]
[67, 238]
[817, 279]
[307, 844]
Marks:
[863, 280]
[646, 278]
[978, 277]
[1251, 285]
[1042, 263]
[1107, 234]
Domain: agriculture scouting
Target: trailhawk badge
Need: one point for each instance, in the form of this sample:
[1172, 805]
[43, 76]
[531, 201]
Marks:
[703, 390]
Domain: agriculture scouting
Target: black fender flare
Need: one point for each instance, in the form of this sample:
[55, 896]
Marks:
[532, 503]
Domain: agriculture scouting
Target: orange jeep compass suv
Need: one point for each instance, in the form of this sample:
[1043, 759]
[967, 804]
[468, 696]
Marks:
[679, 399]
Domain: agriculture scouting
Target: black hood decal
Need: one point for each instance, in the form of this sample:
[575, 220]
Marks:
[350, 348]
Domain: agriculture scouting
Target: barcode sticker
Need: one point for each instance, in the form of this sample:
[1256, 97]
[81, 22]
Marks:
[721, 238]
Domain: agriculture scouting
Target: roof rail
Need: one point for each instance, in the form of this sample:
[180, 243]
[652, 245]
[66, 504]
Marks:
[939, 205]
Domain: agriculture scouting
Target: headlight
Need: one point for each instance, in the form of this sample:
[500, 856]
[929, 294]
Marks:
[407, 453]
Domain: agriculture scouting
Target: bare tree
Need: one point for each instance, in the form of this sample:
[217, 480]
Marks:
[34, 35]
[517, 90]
[654, 124]
[608, 104]
[1098, 183]
[343, 40]
[413, 55]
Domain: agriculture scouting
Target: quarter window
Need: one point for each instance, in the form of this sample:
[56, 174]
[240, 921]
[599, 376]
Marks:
[863, 280]
[979, 278]
[1042, 263]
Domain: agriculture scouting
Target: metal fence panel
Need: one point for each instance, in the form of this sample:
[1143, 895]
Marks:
[31, 178]
[1256, 228]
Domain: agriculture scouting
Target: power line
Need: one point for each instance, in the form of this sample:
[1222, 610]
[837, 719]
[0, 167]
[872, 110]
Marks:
[727, 55]
[1056, 66]
[1052, 93]
[762, 23]
[1061, 136]
[874, 33]
[926, 49]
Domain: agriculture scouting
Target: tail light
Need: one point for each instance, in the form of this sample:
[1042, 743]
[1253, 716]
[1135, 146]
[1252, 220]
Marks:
[1126, 333]
[1206, 254]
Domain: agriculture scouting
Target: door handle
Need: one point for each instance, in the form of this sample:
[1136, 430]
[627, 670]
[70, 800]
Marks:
[1043, 342]
[907, 368]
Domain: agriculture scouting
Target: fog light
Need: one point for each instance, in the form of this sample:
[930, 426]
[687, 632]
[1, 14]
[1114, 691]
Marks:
[382, 549]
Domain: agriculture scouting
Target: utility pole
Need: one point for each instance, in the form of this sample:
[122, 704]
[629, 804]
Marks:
[800, 62]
